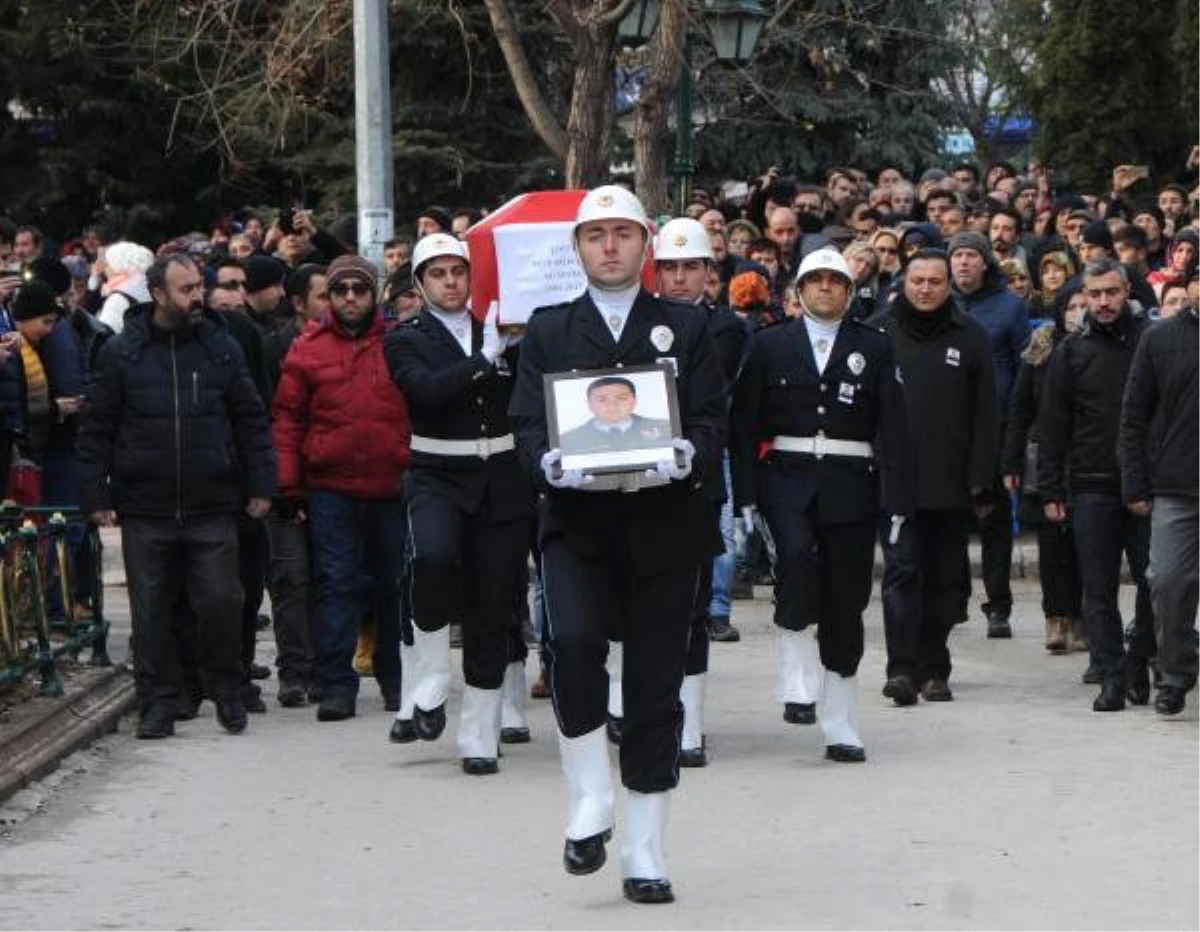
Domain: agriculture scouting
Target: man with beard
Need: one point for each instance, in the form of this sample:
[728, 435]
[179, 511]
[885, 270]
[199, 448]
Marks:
[169, 394]
[342, 435]
[818, 417]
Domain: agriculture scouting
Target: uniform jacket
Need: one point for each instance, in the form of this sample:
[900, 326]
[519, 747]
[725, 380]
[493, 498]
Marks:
[453, 396]
[340, 424]
[1159, 442]
[950, 396]
[590, 437]
[858, 397]
[1081, 408]
[173, 426]
[657, 529]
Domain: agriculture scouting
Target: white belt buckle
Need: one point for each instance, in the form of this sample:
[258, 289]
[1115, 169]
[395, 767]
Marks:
[483, 447]
[819, 445]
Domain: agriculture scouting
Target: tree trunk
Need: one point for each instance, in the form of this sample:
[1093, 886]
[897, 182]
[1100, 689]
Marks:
[664, 59]
[590, 122]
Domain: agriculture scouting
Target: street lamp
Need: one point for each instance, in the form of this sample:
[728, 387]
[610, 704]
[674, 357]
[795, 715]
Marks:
[735, 26]
[639, 23]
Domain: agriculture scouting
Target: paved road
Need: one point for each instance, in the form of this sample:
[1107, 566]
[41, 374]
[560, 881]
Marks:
[1013, 807]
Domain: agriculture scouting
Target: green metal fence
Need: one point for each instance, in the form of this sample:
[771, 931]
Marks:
[33, 554]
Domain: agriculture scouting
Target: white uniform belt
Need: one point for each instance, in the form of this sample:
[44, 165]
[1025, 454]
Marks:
[483, 447]
[821, 445]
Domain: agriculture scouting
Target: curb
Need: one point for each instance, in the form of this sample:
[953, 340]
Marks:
[42, 744]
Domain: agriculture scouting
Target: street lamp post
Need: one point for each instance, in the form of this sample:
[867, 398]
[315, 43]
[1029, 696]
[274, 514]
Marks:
[372, 128]
[734, 26]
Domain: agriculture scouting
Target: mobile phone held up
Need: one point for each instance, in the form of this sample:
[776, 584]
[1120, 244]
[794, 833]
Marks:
[285, 220]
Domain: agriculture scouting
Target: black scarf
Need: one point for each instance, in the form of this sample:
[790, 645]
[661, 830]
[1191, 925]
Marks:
[922, 325]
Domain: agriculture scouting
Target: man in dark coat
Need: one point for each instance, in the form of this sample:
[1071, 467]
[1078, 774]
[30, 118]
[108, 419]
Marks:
[174, 443]
[944, 360]
[1078, 469]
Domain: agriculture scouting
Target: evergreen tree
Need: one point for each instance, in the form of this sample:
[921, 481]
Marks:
[1109, 91]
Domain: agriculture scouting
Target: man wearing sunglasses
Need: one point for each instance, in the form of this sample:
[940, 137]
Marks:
[341, 430]
[470, 507]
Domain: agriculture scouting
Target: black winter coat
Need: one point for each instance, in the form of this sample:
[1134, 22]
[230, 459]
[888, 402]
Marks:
[174, 426]
[1081, 408]
[1159, 439]
[950, 397]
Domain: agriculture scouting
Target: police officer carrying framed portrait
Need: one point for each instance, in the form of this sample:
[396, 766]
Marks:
[620, 560]
[819, 446]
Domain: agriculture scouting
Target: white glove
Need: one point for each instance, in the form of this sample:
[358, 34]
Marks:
[669, 469]
[564, 479]
[494, 342]
[749, 512]
[897, 523]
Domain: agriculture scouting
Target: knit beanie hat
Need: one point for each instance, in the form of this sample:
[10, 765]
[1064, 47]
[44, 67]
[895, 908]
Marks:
[346, 268]
[1097, 233]
[968, 239]
[35, 299]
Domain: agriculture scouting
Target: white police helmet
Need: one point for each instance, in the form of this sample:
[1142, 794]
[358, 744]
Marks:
[611, 202]
[683, 238]
[435, 245]
[824, 259]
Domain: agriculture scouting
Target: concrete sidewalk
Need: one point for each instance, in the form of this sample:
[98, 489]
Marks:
[1013, 807]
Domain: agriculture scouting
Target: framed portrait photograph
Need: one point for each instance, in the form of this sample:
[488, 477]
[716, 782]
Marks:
[613, 420]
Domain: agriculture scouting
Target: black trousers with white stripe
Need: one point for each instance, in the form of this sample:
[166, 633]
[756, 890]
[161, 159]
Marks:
[590, 600]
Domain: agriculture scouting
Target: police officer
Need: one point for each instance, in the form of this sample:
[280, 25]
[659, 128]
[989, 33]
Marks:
[682, 258]
[821, 393]
[470, 505]
[620, 560]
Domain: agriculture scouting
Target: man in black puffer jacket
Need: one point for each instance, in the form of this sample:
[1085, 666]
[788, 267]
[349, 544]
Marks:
[1160, 462]
[173, 442]
[1077, 464]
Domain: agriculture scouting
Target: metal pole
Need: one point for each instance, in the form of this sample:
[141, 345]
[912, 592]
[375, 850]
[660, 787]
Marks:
[372, 128]
[682, 169]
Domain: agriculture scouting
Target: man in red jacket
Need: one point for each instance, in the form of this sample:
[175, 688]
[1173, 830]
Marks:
[342, 434]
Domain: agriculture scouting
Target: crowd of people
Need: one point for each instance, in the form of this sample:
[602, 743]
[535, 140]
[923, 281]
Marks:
[860, 362]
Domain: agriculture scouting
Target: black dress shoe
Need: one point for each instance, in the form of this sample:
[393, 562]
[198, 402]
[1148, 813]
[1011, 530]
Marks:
[259, 671]
[693, 757]
[1092, 675]
[741, 590]
[292, 695]
[231, 713]
[252, 698]
[156, 722]
[1111, 698]
[336, 708]
[188, 709]
[936, 690]
[514, 736]
[719, 629]
[429, 725]
[1137, 680]
[402, 731]
[262, 623]
[998, 626]
[391, 698]
[586, 855]
[480, 766]
[638, 890]
[800, 713]
[1169, 701]
[845, 753]
[901, 690]
[612, 728]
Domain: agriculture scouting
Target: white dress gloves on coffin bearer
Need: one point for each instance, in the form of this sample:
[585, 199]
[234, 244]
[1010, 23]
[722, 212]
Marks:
[563, 478]
[668, 470]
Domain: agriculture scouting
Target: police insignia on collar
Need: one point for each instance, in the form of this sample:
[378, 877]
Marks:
[662, 338]
[857, 363]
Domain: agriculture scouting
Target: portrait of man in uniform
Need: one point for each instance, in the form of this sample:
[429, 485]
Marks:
[614, 420]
